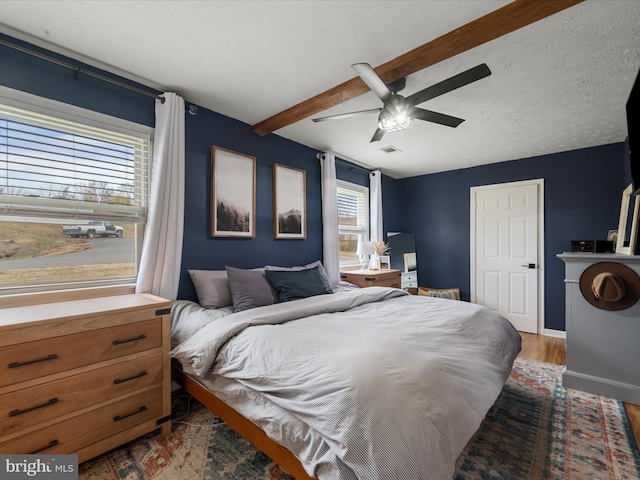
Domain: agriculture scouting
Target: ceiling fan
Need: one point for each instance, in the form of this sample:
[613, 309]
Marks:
[398, 112]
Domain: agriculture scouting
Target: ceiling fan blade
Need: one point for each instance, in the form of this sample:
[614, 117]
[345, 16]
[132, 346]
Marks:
[436, 117]
[347, 115]
[457, 81]
[378, 135]
[373, 81]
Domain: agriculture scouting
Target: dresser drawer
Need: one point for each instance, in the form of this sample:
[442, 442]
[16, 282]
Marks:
[28, 407]
[410, 280]
[388, 282]
[410, 277]
[372, 278]
[71, 435]
[30, 360]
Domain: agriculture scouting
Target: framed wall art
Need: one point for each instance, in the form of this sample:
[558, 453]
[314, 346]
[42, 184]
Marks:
[629, 223]
[289, 202]
[233, 194]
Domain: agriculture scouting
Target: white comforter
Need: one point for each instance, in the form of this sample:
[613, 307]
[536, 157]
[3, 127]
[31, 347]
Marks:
[393, 385]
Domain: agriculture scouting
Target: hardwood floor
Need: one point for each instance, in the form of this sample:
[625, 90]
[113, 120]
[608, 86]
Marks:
[544, 349]
[553, 350]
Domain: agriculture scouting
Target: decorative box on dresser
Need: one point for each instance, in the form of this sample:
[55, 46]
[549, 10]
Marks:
[603, 346]
[372, 278]
[84, 376]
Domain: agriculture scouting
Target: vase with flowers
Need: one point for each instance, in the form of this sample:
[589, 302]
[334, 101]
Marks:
[380, 249]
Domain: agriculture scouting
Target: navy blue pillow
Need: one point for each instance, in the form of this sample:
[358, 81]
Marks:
[294, 285]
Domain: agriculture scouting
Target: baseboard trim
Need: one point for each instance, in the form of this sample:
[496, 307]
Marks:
[601, 386]
[554, 333]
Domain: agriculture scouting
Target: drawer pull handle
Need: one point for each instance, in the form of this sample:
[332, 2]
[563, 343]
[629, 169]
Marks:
[370, 279]
[120, 342]
[53, 356]
[122, 380]
[14, 413]
[52, 443]
[117, 418]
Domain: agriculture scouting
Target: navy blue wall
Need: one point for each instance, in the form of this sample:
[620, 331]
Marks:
[390, 205]
[25, 72]
[351, 173]
[28, 73]
[582, 192]
[201, 251]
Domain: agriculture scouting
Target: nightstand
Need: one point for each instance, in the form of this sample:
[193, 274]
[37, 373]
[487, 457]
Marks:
[372, 278]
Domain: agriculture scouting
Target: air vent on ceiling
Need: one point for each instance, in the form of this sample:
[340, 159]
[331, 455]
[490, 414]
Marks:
[390, 149]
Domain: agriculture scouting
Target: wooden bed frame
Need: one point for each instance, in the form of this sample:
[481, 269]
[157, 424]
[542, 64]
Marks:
[244, 427]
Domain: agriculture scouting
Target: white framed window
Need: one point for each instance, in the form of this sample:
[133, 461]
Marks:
[353, 219]
[73, 195]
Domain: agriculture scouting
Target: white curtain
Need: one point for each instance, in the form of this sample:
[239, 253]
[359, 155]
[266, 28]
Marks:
[161, 257]
[375, 205]
[330, 248]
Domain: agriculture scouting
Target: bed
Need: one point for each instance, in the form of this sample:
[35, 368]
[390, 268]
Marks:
[369, 383]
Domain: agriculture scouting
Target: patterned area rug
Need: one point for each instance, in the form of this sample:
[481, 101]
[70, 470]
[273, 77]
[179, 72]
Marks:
[536, 430]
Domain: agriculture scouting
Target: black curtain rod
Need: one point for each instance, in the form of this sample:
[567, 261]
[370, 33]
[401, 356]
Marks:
[349, 165]
[79, 70]
[352, 166]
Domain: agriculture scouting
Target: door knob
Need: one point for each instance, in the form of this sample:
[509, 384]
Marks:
[530, 265]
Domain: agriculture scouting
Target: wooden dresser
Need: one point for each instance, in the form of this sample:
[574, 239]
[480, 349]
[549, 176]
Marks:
[371, 278]
[84, 376]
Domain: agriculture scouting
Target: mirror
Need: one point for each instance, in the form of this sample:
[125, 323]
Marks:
[628, 223]
[410, 262]
[402, 251]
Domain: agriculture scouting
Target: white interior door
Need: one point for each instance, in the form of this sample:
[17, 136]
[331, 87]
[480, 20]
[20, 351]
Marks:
[506, 252]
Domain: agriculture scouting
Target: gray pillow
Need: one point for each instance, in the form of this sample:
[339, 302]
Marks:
[250, 289]
[318, 263]
[212, 288]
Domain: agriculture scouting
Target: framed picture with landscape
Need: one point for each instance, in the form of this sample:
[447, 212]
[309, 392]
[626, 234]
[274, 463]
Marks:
[233, 194]
[289, 202]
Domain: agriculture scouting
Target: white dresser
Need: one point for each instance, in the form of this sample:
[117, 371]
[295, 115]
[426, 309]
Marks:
[409, 280]
[603, 346]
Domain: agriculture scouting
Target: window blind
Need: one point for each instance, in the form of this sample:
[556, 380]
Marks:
[56, 168]
[353, 209]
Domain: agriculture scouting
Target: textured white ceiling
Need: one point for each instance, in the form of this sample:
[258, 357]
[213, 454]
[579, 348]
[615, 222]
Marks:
[557, 85]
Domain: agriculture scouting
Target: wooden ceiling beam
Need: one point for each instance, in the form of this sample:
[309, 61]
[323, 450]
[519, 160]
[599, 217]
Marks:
[507, 19]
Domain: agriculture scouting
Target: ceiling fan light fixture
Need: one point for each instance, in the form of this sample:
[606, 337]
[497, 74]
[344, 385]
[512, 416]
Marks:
[396, 114]
[394, 123]
[398, 111]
